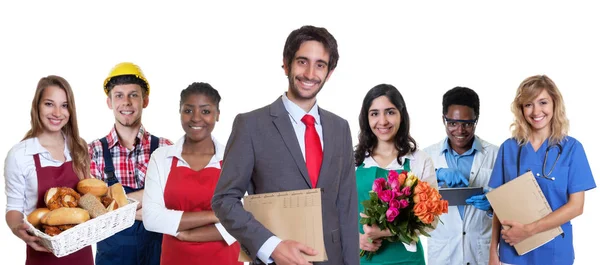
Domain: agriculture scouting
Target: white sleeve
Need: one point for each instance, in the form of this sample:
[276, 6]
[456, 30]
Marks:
[228, 238]
[156, 216]
[14, 184]
[265, 251]
[428, 170]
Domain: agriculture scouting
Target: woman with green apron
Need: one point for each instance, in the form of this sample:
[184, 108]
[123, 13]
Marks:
[385, 144]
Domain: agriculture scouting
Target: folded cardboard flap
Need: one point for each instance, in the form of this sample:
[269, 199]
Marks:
[523, 201]
[290, 215]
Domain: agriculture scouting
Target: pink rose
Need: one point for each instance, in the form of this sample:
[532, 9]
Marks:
[397, 192]
[393, 182]
[406, 191]
[378, 185]
[394, 204]
[391, 214]
[392, 174]
[385, 195]
[403, 203]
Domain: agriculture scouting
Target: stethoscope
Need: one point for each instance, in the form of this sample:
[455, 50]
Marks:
[544, 175]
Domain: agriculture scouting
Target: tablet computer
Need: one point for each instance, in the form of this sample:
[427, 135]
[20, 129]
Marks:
[458, 196]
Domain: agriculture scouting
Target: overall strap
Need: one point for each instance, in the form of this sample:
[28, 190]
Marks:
[174, 162]
[406, 164]
[36, 159]
[153, 143]
[109, 168]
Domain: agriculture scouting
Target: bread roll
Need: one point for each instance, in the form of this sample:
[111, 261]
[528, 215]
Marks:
[112, 206]
[94, 186]
[109, 203]
[117, 192]
[35, 217]
[61, 197]
[92, 205]
[66, 216]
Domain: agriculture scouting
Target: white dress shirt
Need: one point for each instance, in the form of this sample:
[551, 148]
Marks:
[421, 165]
[156, 216]
[21, 176]
[296, 113]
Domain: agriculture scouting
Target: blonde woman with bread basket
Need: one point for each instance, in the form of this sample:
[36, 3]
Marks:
[50, 155]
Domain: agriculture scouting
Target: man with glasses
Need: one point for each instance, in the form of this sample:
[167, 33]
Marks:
[461, 160]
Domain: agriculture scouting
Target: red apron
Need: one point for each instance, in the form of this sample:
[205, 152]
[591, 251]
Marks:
[189, 190]
[48, 177]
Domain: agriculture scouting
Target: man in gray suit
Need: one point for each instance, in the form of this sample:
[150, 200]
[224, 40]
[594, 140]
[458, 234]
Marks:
[293, 144]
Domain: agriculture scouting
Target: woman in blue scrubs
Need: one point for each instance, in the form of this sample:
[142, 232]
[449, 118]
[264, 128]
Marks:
[540, 143]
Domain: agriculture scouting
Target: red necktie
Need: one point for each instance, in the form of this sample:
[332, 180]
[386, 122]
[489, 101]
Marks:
[312, 149]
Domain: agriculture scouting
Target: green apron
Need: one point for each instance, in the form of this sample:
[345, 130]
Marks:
[390, 253]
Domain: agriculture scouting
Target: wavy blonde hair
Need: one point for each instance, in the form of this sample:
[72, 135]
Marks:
[77, 146]
[529, 89]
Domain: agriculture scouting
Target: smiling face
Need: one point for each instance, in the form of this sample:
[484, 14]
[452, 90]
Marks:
[538, 113]
[460, 133]
[198, 117]
[53, 109]
[384, 119]
[127, 103]
[308, 71]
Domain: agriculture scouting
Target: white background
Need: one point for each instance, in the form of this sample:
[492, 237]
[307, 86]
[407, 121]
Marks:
[423, 49]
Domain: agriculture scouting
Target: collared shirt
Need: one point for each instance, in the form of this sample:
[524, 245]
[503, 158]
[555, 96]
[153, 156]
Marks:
[21, 176]
[130, 165]
[296, 113]
[420, 164]
[462, 162]
[156, 216]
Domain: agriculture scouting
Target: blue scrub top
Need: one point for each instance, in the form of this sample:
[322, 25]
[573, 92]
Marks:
[572, 174]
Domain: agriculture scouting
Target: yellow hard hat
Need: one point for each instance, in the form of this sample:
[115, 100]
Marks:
[126, 68]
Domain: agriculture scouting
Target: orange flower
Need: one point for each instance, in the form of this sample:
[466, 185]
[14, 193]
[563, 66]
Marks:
[402, 178]
[431, 206]
[422, 187]
[438, 209]
[444, 206]
[426, 218]
[434, 195]
[420, 209]
[420, 197]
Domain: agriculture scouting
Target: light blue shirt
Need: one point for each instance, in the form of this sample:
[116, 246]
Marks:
[296, 113]
[461, 162]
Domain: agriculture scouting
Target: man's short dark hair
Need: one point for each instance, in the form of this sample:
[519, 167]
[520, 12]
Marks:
[461, 96]
[308, 33]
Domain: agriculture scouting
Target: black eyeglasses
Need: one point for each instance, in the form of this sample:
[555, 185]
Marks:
[465, 124]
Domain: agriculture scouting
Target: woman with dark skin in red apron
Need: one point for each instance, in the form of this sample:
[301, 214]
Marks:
[180, 182]
[51, 155]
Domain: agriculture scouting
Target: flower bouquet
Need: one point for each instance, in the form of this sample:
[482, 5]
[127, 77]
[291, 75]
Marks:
[403, 204]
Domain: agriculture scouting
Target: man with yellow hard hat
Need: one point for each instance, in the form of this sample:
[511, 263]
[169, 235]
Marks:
[122, 157]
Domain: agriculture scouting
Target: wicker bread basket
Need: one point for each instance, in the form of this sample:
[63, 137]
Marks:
[89, 232]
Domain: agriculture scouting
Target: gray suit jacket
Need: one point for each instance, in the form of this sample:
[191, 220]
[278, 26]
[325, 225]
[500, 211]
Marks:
[263, 155]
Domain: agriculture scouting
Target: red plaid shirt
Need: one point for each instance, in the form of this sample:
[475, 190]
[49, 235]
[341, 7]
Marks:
[130, 165]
